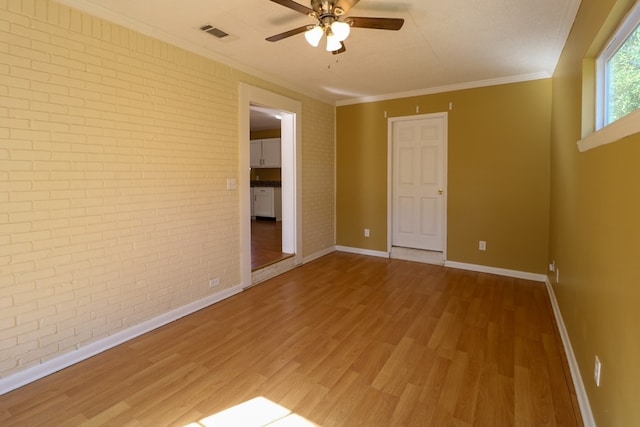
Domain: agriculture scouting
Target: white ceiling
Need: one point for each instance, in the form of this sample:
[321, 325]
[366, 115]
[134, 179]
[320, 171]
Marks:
[262, 118]
[443, 45]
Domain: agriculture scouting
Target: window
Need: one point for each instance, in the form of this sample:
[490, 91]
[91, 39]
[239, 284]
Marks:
[613, 76]
[618, 72]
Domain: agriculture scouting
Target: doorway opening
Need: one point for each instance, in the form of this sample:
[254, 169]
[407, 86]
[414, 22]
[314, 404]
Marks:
[265, 179]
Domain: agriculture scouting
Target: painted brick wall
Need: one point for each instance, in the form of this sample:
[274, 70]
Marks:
[114, 154]
[318, 210]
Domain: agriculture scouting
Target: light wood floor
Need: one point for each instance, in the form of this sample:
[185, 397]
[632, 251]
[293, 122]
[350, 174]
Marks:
[266, 243]
[345, 340]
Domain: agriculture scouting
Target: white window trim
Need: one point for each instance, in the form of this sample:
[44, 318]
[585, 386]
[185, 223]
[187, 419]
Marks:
[626, 126]
[629, 124]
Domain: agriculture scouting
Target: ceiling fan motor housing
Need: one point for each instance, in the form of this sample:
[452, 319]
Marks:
[326, 7]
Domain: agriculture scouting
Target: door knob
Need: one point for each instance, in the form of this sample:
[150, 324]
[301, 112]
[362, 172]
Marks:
[440, 191]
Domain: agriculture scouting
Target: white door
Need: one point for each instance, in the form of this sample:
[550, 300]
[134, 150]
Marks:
[418, 182]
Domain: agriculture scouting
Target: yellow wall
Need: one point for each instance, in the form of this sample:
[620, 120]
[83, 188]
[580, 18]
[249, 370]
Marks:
[115, 150]
[498, 172]
[595, 234]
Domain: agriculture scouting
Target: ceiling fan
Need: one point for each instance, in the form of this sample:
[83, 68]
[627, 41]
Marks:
[328, 14]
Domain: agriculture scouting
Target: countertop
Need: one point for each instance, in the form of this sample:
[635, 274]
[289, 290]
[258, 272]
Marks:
[266, 184]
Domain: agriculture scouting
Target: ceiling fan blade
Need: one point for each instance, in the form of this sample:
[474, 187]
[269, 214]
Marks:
[288, 33]
[345, 5]
[342, 49]
[375, 23]
[294, 6]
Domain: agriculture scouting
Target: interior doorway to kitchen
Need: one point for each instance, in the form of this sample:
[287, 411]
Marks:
[265, 178]
[290, 126]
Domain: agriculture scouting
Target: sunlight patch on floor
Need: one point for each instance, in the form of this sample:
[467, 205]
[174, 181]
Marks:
[257, 412]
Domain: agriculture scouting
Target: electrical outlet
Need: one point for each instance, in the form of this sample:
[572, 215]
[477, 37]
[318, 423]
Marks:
[552, 266]
[482, 245]
[214, 282]
[597, 369]
[367, 233]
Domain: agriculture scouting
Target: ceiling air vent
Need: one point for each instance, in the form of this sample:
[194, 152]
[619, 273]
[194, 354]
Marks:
[217, 32]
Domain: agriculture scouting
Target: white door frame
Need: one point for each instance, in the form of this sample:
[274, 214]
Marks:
[390, 122]
[291, 177]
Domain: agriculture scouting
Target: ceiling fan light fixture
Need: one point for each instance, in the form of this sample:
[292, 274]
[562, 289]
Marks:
[341, 30]
[327, 14]
[314, 35]
[333, 43]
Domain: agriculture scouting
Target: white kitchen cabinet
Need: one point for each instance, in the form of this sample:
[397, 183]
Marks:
[265, 153]
[267, 202]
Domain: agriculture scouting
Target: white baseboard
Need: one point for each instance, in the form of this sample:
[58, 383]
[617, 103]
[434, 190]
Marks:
[581, 392]
[497, 271]
[29, 375]
[360, 251]
[319, 254]
[459, 265]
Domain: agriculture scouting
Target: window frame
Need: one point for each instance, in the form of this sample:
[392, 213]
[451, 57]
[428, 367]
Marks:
[619, 37]
[625, 126]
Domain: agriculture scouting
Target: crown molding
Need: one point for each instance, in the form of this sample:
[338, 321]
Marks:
[448, 88]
